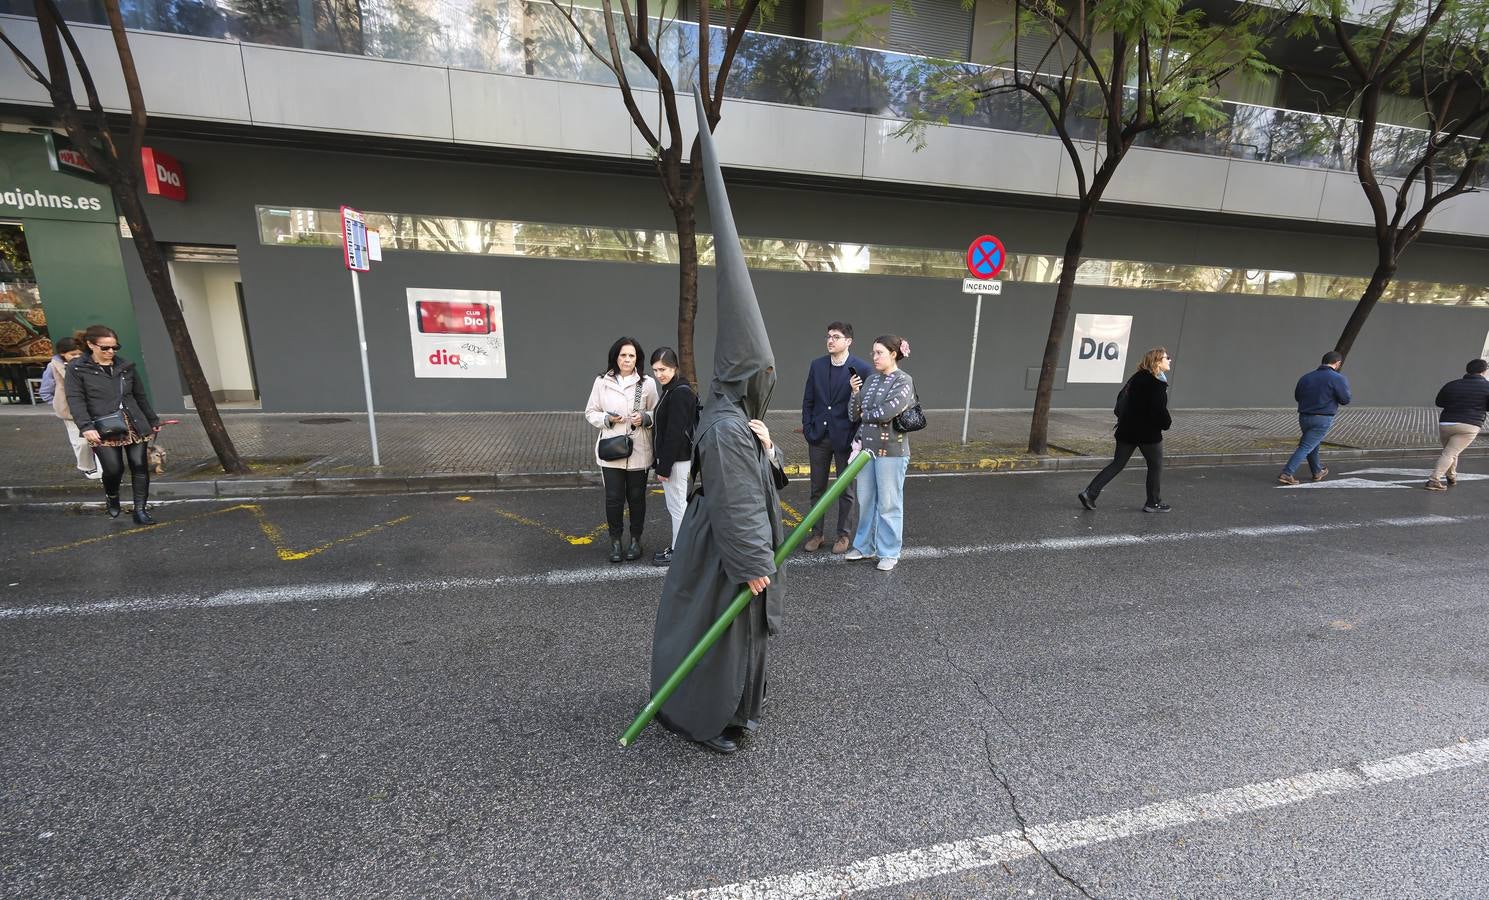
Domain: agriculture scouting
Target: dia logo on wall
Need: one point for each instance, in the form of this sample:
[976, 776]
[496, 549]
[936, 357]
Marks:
[456, 333]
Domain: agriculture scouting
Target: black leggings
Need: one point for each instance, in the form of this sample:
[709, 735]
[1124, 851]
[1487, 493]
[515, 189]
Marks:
[622, 487]
[1152, 455]
[111, 460]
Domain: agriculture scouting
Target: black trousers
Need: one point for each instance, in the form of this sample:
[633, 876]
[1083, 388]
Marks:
[111, 460]
[625, 487]
[1152, 455]
[821, 456]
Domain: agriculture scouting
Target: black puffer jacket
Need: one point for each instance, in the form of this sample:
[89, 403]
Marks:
[1464, 400]
[1145, 416]
[676, 417]
[93, 391]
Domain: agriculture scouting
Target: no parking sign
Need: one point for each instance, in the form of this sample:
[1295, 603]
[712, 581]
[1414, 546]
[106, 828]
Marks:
[985, 259]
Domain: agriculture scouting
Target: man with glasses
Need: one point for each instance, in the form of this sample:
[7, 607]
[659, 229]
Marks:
[829, 434]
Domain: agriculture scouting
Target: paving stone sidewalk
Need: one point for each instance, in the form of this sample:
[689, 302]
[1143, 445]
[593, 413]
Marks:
[303, 453]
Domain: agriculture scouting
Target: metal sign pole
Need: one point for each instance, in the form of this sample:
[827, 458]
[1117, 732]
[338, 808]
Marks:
[366, 373]
[971, 367]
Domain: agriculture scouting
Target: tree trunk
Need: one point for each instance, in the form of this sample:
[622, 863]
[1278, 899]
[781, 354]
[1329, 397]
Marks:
[154, 264]
[687, 290]
[1039, 426]
[1385, 270]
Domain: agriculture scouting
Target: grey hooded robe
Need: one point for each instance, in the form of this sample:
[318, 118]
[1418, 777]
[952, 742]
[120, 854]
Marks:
[732, 526]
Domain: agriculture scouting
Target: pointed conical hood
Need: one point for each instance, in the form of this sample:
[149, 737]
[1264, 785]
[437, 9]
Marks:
[743, 364]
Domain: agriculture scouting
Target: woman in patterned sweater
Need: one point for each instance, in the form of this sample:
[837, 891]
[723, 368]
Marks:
[881, 484]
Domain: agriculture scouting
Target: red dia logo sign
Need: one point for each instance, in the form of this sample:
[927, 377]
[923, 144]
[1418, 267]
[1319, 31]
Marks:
[162, 174]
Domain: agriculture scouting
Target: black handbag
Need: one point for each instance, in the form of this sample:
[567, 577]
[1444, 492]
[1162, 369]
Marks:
[114, 425]
[621, 446]
[912, 419]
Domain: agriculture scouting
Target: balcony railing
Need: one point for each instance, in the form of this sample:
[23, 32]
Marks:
[514, 37]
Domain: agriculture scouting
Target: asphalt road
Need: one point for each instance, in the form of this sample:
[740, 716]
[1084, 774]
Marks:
[1269, 692]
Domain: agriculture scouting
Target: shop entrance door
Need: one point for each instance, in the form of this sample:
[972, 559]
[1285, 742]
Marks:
[209, 286]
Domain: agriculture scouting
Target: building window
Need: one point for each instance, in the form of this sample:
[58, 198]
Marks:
[301, 227]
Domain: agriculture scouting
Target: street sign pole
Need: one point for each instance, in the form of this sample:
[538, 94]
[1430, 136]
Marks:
[358, 259]
[366, 372]
[971, 367]
[985, 259]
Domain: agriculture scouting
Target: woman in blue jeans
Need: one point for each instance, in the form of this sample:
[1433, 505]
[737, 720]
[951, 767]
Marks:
[881, 484]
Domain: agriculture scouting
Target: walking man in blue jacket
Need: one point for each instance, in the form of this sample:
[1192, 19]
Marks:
[829, 434]
[1320, 393]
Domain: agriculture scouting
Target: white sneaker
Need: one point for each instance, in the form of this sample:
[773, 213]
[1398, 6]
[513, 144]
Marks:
[854, 556]
[886, 565]
[93, 475]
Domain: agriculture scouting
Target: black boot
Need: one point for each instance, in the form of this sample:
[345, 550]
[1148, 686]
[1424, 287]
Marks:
[140, 485]
[616, 554]
[112, 503]
[633, 552]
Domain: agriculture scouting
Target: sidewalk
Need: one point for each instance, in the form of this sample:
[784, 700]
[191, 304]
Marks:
[325, 453]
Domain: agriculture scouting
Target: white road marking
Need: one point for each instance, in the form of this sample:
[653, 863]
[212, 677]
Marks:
[921, 863]
[602, 575]
[1265, 530]
[1344, 483]
[1406, 478]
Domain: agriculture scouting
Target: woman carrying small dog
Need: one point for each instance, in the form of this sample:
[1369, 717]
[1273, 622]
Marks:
[110, 408]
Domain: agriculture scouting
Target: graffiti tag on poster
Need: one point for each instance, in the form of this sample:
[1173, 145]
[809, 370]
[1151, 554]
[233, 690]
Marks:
[456, 333]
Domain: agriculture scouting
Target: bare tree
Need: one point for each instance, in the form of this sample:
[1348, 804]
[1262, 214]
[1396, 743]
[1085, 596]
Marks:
[1438, 50]
[1108, 72]
[119, 164]
[639, 33]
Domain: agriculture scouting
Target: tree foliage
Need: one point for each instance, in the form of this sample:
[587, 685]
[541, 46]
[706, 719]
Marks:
[116, 158]
[1105, 75]
[1438, 52]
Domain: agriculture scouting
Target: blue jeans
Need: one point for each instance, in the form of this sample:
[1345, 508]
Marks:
[881, 507]
[1315, 429]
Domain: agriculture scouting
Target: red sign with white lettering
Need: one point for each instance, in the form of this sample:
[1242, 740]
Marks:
[162, 174]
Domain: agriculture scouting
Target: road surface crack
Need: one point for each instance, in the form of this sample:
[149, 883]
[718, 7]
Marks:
[992, 765]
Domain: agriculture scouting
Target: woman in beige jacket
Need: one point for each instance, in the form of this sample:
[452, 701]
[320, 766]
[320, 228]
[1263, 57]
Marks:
[621, 404]
[53, 391]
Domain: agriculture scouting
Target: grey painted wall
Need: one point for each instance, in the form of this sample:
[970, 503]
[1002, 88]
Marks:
[561, 315]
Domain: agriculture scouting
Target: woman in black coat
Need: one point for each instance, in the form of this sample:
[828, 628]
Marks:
[676, 417]
[99, 385]
[1142, 418]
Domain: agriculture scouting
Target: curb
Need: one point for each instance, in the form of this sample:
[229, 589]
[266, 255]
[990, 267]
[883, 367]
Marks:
[363, 485]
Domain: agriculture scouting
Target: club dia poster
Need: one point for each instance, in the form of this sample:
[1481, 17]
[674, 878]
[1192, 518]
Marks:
[457, 333]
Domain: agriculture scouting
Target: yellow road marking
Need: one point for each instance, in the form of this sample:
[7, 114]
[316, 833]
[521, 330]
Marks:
[270, 530]
[578, 540]
[793, 518]
[287, 554]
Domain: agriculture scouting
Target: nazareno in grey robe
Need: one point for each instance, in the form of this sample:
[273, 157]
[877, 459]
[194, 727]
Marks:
[733, 524]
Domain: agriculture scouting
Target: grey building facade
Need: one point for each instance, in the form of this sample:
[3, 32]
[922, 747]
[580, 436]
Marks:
[269, 143]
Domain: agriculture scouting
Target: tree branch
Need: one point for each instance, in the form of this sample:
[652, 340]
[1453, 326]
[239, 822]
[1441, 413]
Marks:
[32, 71]
[138, 117]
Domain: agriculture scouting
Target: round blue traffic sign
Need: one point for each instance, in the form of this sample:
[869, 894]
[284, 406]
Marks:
[985, 258]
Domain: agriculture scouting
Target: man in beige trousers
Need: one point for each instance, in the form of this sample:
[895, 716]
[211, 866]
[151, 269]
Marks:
[1464, 402]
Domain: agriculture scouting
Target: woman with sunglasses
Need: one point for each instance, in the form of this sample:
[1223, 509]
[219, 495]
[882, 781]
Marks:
[101, 385]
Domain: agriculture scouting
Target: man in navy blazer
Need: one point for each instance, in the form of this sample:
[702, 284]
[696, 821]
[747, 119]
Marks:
[829, 434]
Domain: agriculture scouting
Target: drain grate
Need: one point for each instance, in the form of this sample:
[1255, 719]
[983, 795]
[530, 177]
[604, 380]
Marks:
[325, 420]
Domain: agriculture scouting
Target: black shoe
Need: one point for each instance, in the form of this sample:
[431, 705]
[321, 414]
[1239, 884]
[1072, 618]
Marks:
[633, 552]
[662, 558]
[719, 744]
[112, 503]
[142, 516]
[1158, 507]
[616, 554]
[1086, 499]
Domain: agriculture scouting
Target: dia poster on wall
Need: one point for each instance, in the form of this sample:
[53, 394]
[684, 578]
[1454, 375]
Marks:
[1098, 349]
[456, 334]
